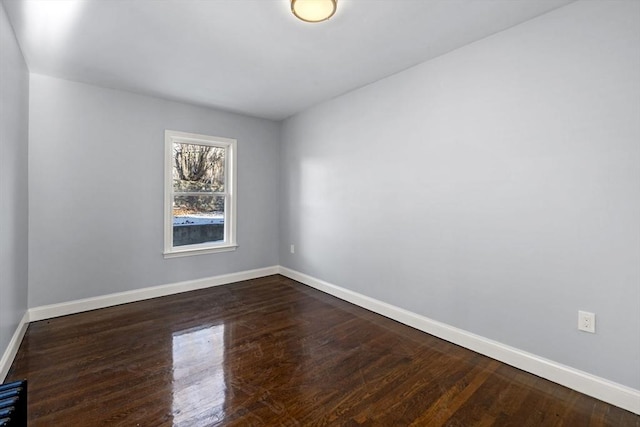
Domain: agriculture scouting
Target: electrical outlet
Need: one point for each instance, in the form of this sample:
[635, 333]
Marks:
[293, 249]
[587, 321]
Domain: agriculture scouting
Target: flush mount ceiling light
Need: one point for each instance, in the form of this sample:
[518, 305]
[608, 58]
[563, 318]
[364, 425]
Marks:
[313, 10]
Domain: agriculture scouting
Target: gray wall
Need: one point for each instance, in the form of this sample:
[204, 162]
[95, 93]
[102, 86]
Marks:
[495, 188]
[14, 116]
[96, 161]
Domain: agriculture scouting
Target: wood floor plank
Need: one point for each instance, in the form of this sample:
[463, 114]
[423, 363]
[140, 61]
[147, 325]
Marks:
[272, 351]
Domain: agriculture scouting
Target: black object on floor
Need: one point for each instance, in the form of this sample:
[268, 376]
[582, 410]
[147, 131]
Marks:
[13, 404]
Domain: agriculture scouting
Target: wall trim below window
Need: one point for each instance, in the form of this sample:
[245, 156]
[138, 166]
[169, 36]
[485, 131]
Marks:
[189, 252]
[109, 300]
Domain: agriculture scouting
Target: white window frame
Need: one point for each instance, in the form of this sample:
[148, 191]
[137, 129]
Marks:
[229, 242]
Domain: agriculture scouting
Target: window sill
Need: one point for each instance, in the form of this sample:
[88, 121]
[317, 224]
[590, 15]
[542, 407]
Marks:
[200, 251]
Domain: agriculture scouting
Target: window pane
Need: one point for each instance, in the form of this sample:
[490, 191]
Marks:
[198, 168]
[198, 219]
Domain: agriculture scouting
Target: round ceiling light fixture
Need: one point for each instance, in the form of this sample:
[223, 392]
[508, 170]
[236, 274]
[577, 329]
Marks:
[313, 10]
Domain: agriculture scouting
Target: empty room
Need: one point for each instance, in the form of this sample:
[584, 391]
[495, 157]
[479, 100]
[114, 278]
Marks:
[320, 212]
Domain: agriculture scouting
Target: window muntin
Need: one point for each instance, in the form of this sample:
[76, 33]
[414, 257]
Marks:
[199, 194]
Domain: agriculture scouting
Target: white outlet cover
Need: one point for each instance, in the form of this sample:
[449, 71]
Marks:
[587, 321]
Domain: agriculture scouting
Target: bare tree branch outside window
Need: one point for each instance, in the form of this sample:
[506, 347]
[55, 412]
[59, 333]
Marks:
[198, 168]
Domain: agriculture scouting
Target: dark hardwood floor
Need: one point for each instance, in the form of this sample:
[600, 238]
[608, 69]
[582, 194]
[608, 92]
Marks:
[274, 352]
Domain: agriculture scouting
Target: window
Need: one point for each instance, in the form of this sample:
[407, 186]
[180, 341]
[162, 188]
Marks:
[200, 201]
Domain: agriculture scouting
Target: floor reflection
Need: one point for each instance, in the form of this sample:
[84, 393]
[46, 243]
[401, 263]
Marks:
[199, 385]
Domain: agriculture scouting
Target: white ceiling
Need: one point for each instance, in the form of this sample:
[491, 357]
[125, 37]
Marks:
[249, 56]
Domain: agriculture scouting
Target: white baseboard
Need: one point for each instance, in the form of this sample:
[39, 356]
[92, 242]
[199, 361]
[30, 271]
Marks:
[109, 300]
[591, 385]
[86, 304]
[12, 348]
[600, 388]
